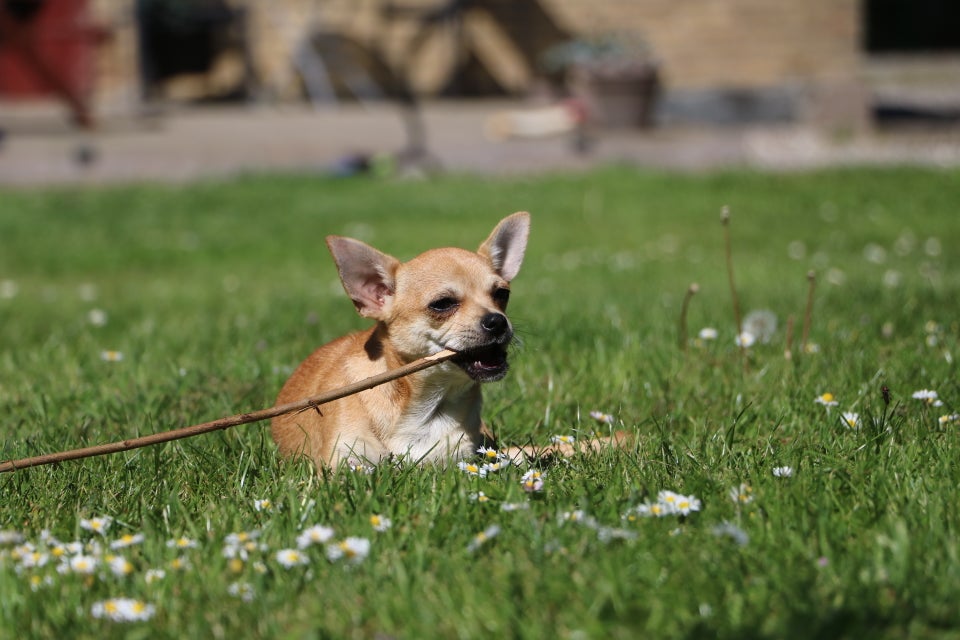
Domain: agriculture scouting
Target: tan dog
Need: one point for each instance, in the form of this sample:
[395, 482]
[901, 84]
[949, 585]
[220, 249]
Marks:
[442, 299]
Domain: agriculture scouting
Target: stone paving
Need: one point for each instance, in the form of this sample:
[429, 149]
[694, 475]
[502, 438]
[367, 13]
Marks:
[183, 144]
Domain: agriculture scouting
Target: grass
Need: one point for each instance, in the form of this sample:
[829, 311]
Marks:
[213, 292]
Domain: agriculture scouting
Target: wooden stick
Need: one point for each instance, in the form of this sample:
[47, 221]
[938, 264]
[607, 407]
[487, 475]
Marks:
[232, 421]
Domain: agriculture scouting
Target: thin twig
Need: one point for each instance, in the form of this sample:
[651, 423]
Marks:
[808, 314]
[691, 291]
[232, 421]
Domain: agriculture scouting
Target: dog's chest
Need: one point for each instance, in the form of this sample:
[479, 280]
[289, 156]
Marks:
[442, 429]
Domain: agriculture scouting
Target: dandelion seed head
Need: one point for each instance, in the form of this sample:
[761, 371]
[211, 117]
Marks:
[708, 333]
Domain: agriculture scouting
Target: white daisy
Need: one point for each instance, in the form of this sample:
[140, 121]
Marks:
[600, 416]
[742, 494]
[562, 439]
[10, 537]
[472, 469]
[493, 467]
[351, 549]
[826, 399]
[380, 523]
[851, 419]
[317, 534]
[182, 543]
[97, 525]
[154, 575]
[490, 453]
[123, 610]
[483, 537]
[928, 396]
[127, 540]
[83, 564]
[290, 558]
[783, 472]
[242, 590]
[685, 505]
[532, 481]
[745, 339]
[119, 566]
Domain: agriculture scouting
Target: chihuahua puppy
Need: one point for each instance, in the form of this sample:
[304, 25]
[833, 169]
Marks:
[442, 299]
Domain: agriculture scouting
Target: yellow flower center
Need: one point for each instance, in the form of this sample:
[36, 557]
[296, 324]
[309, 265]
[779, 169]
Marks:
[827, 397]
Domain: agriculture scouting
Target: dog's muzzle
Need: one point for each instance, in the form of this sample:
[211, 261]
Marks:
[488, 362]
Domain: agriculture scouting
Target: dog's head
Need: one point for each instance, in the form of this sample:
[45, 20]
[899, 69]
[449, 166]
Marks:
[442, 299]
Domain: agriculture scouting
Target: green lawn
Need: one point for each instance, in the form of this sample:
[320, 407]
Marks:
[126, 311]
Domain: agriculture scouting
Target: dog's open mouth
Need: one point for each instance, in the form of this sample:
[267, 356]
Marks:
[484, 364]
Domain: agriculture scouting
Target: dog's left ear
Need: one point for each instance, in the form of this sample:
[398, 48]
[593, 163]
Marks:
[506, 245]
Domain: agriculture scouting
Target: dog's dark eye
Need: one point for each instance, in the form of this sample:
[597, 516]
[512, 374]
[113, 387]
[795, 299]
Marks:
[444, 305]
[501, 296]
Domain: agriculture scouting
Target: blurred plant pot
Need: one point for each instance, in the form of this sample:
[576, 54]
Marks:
[617, 96]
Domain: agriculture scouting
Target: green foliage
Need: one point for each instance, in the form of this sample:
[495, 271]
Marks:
[213, 292]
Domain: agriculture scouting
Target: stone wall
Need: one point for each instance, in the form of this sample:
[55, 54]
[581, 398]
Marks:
[795, 59]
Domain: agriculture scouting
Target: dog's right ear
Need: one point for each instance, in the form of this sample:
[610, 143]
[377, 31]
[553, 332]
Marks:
[368, 275]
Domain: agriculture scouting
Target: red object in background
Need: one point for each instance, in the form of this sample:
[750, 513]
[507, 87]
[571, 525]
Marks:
[47, 48]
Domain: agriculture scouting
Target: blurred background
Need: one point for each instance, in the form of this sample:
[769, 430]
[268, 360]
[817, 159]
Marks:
[173, 89]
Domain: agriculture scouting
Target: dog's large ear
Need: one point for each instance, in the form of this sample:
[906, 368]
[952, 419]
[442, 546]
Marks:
[368, 275]
[505, 246]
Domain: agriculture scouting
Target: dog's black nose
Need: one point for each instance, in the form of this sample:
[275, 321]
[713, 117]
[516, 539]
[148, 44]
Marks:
[494, 323]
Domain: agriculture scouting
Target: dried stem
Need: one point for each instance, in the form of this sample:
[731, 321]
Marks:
[725, 221]
[691, 291]
[808, 313]
[313, 402]
[788, 350]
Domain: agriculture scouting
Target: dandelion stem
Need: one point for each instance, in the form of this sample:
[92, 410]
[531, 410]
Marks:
[725, 221]
[691, 291]
[808, 313]
[788, 350]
